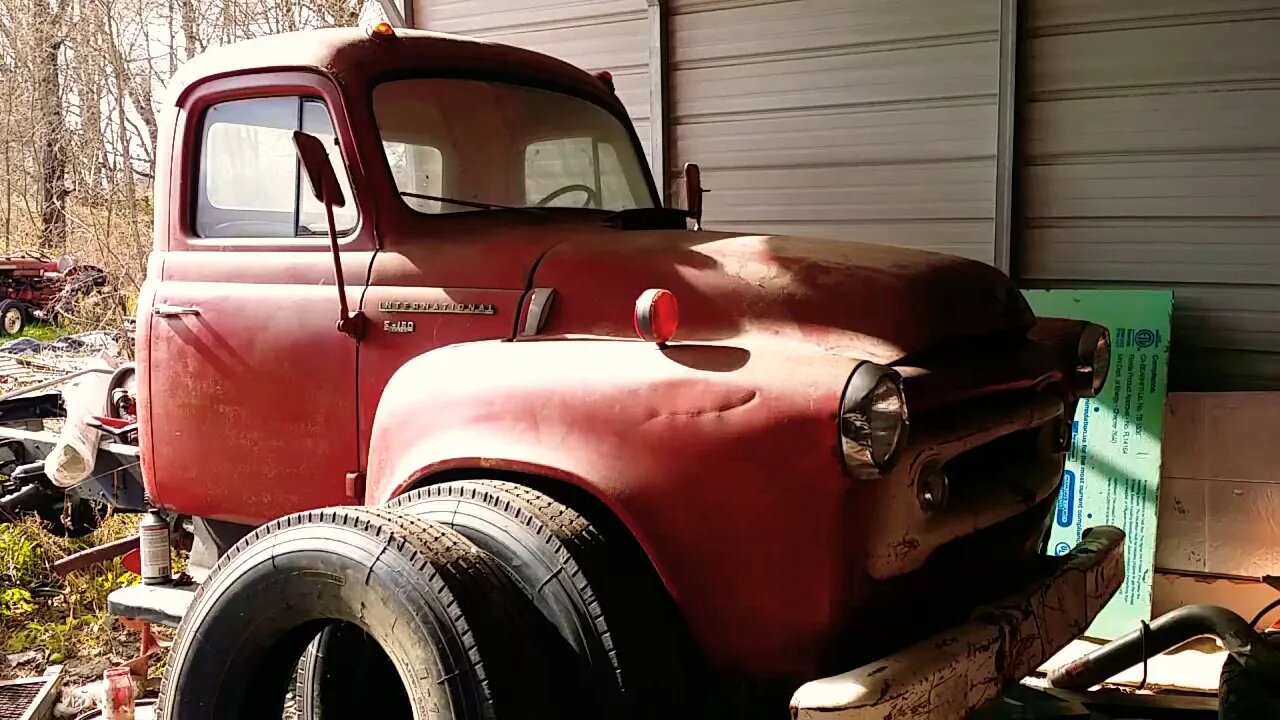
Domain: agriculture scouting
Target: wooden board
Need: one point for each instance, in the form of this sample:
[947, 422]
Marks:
[1219, 507]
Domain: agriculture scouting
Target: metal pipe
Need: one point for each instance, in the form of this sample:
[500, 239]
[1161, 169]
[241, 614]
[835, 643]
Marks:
[395, 14]
[20, 500]
[56, 381]
[1165, 632]
[100, 553]
[658, 116]
[1006, 130]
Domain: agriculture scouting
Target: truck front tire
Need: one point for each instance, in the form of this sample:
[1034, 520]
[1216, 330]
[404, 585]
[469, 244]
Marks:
[462, 640]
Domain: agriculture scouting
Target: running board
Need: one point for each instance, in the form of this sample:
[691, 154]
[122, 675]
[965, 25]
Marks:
[159, 604]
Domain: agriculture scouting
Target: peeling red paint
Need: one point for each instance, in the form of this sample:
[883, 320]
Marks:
[960, 669]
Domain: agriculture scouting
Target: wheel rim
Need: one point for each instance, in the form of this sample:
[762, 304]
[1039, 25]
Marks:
[13, 320]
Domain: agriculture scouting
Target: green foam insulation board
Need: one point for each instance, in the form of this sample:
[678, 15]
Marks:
[1112, 474]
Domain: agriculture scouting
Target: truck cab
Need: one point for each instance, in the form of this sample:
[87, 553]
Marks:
[806, 440]
[241, 300]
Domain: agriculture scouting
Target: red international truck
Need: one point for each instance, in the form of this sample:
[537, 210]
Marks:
[518, 442]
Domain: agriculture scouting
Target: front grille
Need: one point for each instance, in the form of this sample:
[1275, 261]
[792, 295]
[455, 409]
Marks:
[961, 574]
[1017, 461]
[998, 458]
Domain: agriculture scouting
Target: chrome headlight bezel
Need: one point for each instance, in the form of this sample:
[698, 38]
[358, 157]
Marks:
[864, 454]
[1093, 360]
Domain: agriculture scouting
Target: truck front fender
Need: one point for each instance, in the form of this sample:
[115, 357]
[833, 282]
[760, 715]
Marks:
[722, 460]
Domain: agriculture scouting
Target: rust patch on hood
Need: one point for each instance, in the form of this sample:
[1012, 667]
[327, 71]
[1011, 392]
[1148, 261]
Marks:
[872, 301]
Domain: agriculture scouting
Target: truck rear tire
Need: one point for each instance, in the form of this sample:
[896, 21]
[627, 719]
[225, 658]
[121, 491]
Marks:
[462, 640]
[13, 317]
[598, 589]
[593, 582]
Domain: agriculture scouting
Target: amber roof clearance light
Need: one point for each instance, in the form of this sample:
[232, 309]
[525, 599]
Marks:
[382, 29]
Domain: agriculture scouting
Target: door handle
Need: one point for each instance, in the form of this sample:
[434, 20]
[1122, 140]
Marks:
[173, 310]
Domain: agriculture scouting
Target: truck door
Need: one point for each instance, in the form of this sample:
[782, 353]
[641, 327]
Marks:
[250, 391]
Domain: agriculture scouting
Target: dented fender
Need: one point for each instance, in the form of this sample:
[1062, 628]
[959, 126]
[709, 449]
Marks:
[723, 460]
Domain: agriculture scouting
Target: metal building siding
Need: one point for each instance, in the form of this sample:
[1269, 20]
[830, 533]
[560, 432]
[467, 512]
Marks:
[873, 120]
[595, 35]
[1150, 140]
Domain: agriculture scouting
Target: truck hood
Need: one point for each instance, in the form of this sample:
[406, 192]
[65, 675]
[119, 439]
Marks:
[874, 302]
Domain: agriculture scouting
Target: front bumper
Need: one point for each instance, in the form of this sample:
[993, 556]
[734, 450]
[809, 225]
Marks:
[959, 669]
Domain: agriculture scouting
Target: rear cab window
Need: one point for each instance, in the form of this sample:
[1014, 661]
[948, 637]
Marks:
[550, 165]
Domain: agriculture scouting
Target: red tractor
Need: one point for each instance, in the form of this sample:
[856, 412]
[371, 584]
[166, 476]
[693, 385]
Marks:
[36, 285]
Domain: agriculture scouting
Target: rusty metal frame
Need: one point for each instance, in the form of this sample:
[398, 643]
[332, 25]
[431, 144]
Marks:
[658, 98]
[94, 555]
[957, 670]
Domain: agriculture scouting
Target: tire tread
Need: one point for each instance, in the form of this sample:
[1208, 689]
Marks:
[633, 617]
[482, 604]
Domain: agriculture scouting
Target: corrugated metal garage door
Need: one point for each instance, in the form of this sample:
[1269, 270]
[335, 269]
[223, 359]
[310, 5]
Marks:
[1151, 139]
[863, 119]
[608, 35]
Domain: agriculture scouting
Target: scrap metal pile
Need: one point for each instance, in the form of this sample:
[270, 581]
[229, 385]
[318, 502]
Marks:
[38, 383]
[26, 361]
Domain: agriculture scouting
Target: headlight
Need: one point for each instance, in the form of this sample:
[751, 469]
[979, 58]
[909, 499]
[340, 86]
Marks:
[1093, 360]
[873, 420]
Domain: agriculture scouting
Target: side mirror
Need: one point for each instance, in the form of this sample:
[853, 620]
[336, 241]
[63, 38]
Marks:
[693, 191]
[324, 185]
[315, 163]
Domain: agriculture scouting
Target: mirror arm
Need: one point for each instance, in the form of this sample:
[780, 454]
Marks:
[691, 215]
[324, 186]
[349, 323]
[693, 193]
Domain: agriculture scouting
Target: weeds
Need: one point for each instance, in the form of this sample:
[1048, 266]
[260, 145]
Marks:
[43, 332]
[64, 618]
[23, 563]
[16, 602]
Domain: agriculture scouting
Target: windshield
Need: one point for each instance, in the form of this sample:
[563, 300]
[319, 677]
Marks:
[494, 144]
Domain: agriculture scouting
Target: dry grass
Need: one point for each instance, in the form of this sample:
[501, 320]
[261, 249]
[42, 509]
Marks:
[112, 232]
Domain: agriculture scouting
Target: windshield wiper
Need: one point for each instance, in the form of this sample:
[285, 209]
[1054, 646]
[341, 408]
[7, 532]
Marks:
[467, 203]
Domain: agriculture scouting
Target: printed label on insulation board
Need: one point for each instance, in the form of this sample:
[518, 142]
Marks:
[1112, 474]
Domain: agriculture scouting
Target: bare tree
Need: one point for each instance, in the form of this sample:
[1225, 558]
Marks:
[44, 36]
[79, 87]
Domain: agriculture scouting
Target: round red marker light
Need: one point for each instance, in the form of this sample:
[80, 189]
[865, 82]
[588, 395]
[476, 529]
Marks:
[382, 29]
[657, 315]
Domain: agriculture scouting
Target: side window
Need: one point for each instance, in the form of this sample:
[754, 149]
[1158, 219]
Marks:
[554, 164]
[311, 220]
[250, 184]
